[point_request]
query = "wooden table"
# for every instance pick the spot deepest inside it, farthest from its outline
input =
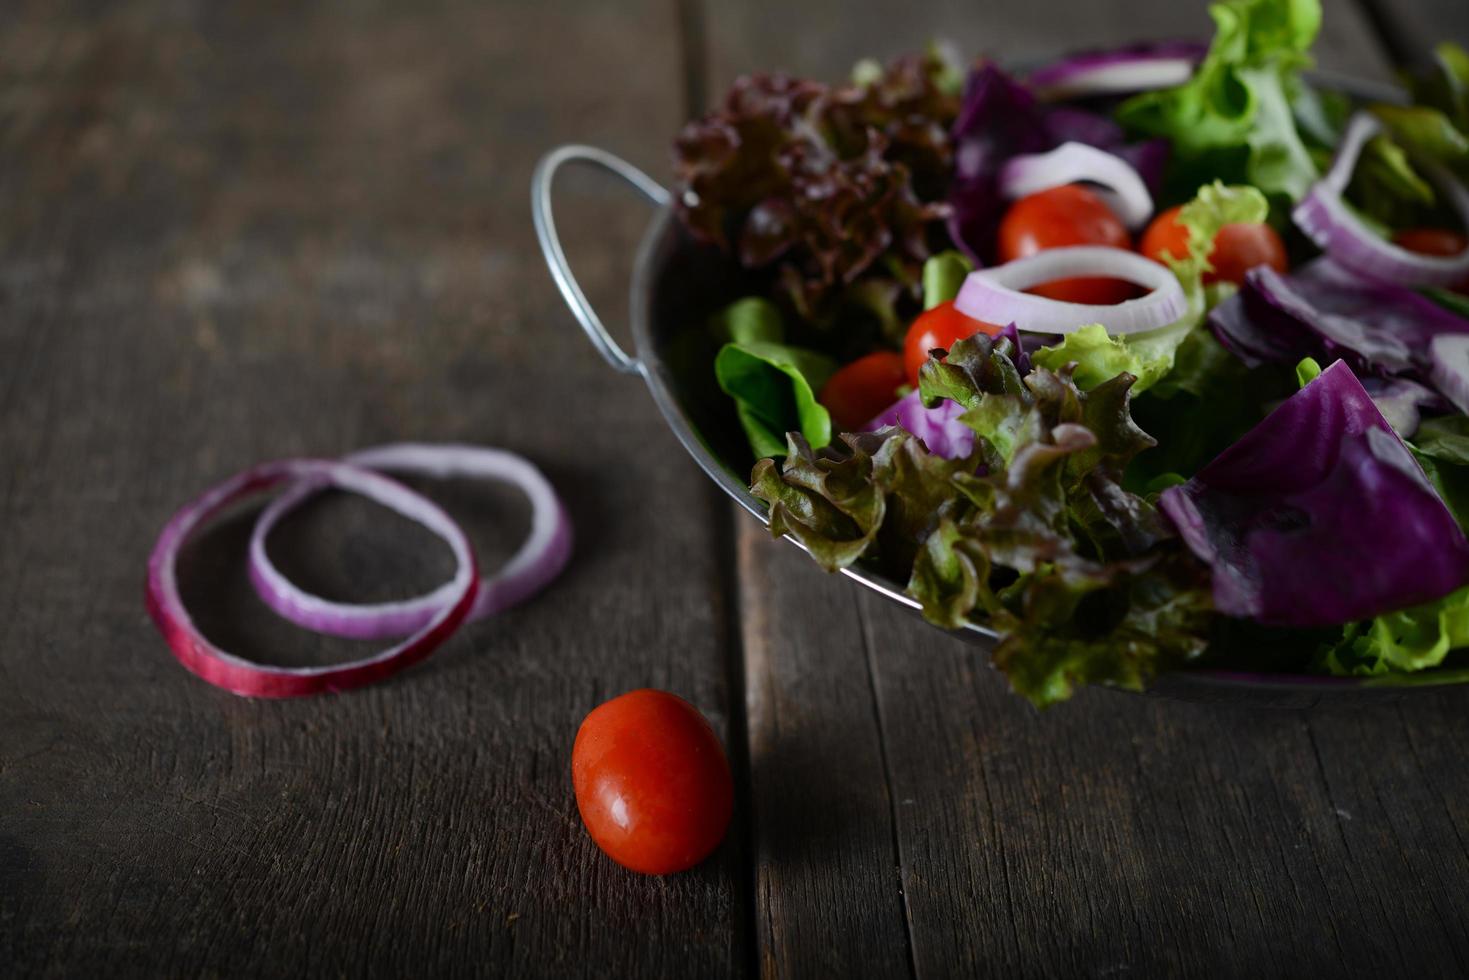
(231, 233)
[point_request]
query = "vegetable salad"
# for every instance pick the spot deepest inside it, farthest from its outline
(1150, 358)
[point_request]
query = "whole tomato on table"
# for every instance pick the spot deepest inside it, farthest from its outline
(652, 782)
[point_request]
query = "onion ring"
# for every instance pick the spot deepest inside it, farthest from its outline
(1135, 68)
(1121, 187)
(1325, 218)
(997, 295)
(243, 677)
(540, 558)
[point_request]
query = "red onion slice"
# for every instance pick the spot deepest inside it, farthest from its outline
(1122, 188)
(1137, 68)
(1327, 221)
(241, 676)
(997, 295)
(539, 559)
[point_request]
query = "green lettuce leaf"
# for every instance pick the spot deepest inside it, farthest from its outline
(1233, 119)
(1445, 84)
(1032, 534)
(943, 274)
(1390, 183)
(774, 385)
(1445, 439)
(1099, 356)
(1150, 356)
(1409, 640)
(1207, 402)
(1441, 446)
(1427, 133)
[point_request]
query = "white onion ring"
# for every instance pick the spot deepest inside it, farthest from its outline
(1070, 163)
(1326, 220)
(540, 558)
(997, 295)
(241, 676)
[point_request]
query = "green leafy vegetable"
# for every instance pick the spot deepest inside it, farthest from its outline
(1307, 371)
(1427, 133)
(1032, 533)
(1441, 447)
(1098, 357)
(1444, 85)
(1409, 640)
(1445, 439)
(1389, 185)
(774, 385)
(1233, 119)
(751, 320)
(1390, 182)
(943, 274)
(1213, 206)
(1150, 356)
(1205, 403)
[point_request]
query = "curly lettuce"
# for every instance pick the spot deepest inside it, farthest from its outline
(1234, 118)
(1031, 533)
(1405, 641)
(836, 191)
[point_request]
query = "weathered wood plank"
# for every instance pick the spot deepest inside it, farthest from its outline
(229, 234)
(824, 40)
(1114, 834)
(1410, 29)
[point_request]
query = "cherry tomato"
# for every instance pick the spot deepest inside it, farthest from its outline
(860, 390)
(1431, 241)
(943, 326)
(1066, 215)
(652, 783)
(1435, 241)
(1237, 249)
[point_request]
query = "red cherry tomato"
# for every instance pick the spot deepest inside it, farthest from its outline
(860, 390)
(1237, 249)
(1066, 215)
(1435, 241)
(943, 326)
(1431, 241)
(651, 782)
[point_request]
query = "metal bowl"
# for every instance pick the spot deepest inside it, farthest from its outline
(678, 281)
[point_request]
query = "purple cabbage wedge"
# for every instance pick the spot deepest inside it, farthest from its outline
(1319, 515)
(1000, 118)
(1325, 311)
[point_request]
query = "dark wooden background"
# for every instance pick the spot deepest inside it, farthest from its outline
(232, 232)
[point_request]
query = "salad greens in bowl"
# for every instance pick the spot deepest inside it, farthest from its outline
(1150, 365)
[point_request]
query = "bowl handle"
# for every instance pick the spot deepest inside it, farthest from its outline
(540, 206)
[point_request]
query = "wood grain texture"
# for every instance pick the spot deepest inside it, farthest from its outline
(1114, 835)
(1411, 28)
(824, 39)
(230, 233)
